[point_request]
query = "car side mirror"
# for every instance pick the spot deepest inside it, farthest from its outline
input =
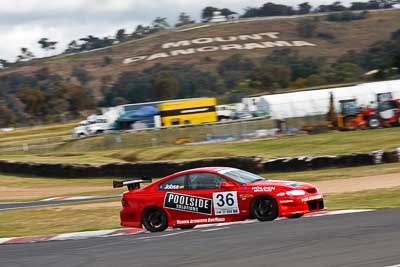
(226, 185)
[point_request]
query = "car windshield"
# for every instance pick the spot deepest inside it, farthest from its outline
(243, 177)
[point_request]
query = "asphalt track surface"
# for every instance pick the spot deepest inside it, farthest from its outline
(359, 239)
(24, 205)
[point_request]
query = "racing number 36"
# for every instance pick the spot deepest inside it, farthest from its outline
(228, 199)
(225, 203)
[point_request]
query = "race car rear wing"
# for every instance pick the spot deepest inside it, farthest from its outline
(131, 184)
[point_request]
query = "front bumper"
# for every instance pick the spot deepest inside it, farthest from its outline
(301, 205)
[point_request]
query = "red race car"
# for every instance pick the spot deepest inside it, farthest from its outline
(213, 195)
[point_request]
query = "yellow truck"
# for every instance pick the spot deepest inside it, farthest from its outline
(188, 111)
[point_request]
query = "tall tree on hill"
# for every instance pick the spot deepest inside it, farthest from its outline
(207, 12)
(304, 8)
(34, 100)
(73, 47)
(47, 45)
(226, 12)
(160, 23)
(165, 85)
(4, 63)
(121, 35)
(271, 77)
(184, 19)
(335, 7)
(271, 9)
(25, 55)
(132, 86)
(81, 74)
(251, 12)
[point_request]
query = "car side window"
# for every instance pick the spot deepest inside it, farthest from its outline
(205, 180)
(176, 183)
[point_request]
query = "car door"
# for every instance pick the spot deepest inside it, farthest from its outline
(224, 201)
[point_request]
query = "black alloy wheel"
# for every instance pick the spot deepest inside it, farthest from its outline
(264, 208)
(154, 219)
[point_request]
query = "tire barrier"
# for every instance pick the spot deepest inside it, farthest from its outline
(315, 163)
(124, 170)
(390, 156)
(161, 169)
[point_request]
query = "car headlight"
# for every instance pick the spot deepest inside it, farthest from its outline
(296, 193)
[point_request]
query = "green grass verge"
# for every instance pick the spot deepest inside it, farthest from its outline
(97, 150)
(56, 220)
(371, 199)
(333, 174)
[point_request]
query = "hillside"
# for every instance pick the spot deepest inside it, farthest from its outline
(226, 60)
(353, 35)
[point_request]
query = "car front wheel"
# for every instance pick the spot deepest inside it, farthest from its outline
(154, 219)
(264, 208)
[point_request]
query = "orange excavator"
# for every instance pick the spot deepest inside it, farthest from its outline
(352, 117)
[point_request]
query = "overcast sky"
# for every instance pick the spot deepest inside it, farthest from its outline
(24, 22)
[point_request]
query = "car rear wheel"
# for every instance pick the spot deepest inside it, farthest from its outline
(264, 208)
(154, 219)
(295, 216)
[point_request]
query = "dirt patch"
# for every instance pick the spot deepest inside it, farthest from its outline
(21, 193)
(359, 184)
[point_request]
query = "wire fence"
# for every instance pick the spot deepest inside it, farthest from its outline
(195, 134)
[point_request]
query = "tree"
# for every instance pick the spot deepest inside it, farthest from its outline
(34, 100)
(7, 116)
(141, 31)
(307, 28)
(42, 74)
(4, 63)
(121, 35)
(184, 19)
(234, 69)
(271, 77)
(335, 7)
(226, 12)
(160, 23)
(165, 85)
(25, 55)
(304, 8)
(207, 13)
(107, 60)
(81, 74)
(271, 9)
(79, 99)
(133, 86)
(251, 12)
(47, 45)
(73, 47)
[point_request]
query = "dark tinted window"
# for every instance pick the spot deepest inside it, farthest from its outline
(204, 180)
(177, 183)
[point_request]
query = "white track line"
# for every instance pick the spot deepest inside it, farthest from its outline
(214, 229)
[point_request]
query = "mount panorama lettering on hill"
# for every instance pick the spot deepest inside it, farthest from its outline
(208, 45)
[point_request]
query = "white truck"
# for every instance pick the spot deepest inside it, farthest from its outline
(96, 124)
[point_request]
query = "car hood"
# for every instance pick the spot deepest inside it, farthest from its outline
(290, 185)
